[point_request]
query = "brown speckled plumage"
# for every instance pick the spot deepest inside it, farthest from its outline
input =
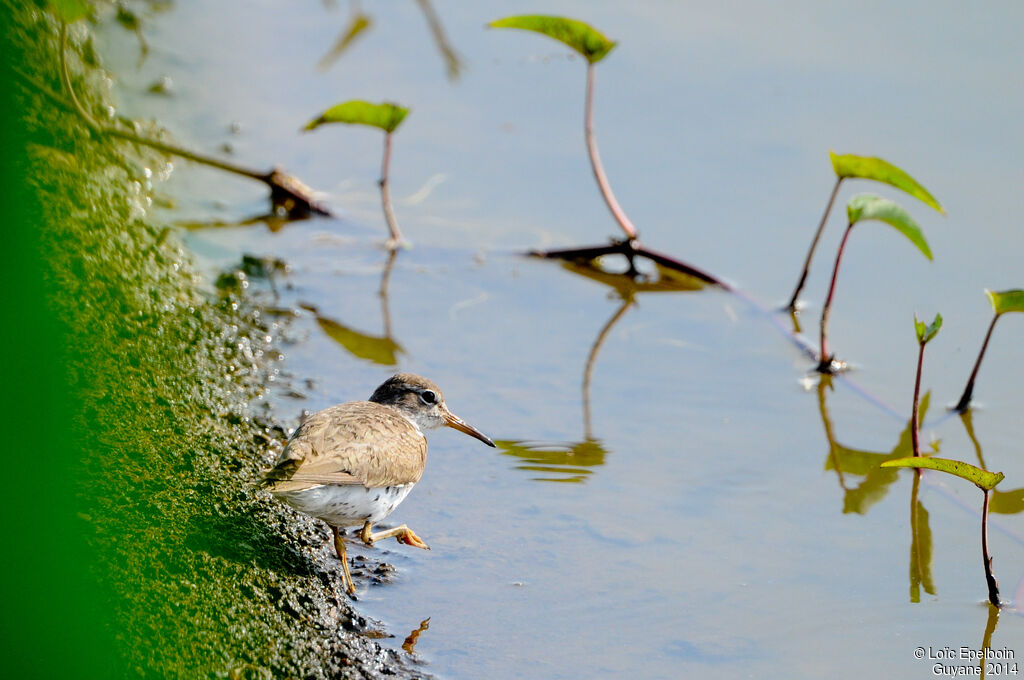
(359, 442)
(353, 463)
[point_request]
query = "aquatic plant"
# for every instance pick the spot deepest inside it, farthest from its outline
(924, 334)
(861, 208)
(386, 116)
(849, 166)
(1002, 302)
(984, 480)
(593, 46)
(288, 195)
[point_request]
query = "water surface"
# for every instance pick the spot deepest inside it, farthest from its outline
(701, 519)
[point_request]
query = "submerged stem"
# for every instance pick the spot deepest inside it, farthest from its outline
(385, 196)
(825, 360)
(595, 161)
(965, 398)
(791, 306)
(990, 579)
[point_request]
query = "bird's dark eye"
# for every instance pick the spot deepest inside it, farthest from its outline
(428, 396)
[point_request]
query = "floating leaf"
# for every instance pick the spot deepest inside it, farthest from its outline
(871, 207)
(983, 479)
(926, 333)
(386, 116)
(1007, 300)
(867, 167)
(70, 11)
(579, 36)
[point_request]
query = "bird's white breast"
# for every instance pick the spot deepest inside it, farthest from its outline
(345, 506)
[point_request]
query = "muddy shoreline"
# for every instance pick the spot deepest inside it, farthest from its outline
(181, 568)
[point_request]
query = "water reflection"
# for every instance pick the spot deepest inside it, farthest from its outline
(378, 349)
(568, 462)
(359, 23)
(990, 629)
(274, 221)
(1004, 502)
(920, 546)
(409, 645)
(573, 461)
(847, 461)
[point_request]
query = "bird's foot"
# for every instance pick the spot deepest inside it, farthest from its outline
(402, 534)
(409, 537)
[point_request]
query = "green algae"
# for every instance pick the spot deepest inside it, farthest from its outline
(131, 417)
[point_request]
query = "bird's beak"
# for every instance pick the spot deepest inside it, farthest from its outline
(457, 423)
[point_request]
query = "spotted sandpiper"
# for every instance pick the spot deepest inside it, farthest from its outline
(352, 464)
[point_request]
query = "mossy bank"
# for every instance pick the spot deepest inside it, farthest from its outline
(138, 545)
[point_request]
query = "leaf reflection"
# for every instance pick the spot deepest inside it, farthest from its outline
(847, 461)
(572, 461)
(379, 349)
(358, 23)
(568, 462)
(920, 547)
(1004, 502)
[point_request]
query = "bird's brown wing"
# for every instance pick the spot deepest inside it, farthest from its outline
(359, 442)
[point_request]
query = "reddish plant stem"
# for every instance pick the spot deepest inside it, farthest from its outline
(385, 196)
(915, 423)
(791, 306)
(990, 579)
(595, 161)
(965, 398)
(826, 358)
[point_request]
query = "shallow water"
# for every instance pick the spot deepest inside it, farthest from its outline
(699, 519)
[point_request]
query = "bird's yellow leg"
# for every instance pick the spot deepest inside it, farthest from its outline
(402, 534)
(339, 547)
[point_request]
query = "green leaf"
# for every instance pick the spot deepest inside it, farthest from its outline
(71, 11)
(871, 207)
(579, 36)
(386, 116)
(983, 479)
(926, 333)
(867, 167)
(1007, 300)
